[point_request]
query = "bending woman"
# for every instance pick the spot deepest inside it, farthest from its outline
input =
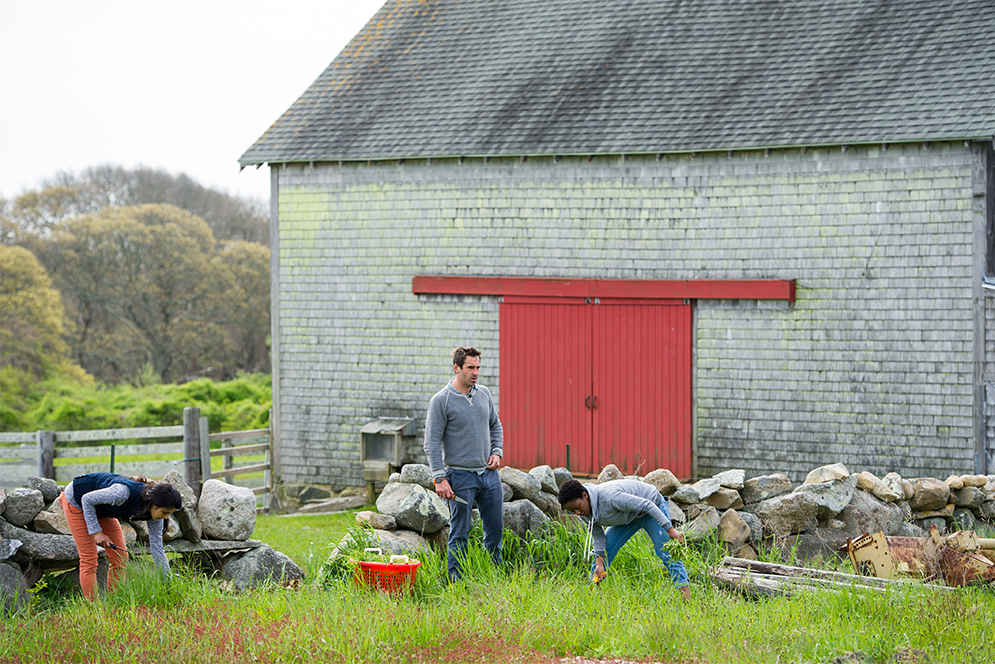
(93, 504)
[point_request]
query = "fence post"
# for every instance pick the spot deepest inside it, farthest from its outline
(191, 448)
(205, 450)
(46, 453)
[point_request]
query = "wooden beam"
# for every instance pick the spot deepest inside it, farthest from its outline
(693, 289)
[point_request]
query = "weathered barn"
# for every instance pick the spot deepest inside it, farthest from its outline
(695, 234)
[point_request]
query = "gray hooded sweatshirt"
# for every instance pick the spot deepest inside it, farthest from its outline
(620, 502)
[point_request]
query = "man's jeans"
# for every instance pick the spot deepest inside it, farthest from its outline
(484, 489)
(617, 536)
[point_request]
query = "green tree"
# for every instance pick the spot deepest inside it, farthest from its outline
(31, 318)
(145, 303)
(146, 270)
(244, 304)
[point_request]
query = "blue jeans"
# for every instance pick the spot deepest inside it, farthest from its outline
(617, 536)
(484, 489)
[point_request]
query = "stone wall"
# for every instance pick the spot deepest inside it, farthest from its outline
(872, 366)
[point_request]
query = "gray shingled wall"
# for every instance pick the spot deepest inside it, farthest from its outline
(871, 366)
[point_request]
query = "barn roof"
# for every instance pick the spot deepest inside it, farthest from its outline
(436, 78)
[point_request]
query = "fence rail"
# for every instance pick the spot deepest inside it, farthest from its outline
(37, 454)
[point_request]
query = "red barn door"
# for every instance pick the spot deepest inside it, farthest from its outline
(546, 366)
(611, 379)
(642, 379)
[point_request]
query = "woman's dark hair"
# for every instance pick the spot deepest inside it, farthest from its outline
(158, 494)
(571, 490)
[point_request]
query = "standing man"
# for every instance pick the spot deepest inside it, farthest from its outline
(464, 443)
(625, 506)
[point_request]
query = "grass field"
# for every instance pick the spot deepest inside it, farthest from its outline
(539, 607)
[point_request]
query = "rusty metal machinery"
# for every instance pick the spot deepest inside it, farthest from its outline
(959, 559)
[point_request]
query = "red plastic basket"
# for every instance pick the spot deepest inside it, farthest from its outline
(394, 577)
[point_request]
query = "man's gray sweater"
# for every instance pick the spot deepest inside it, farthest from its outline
(462, 431)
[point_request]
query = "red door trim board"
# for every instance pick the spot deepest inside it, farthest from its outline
(692, 289)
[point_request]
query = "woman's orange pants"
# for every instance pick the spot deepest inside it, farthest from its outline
(87, 548)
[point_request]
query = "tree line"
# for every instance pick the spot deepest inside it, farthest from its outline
(133, 275)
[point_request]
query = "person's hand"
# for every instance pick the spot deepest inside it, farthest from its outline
(599, 570)
(494, 462)
(101, 539)
(676, 535)
(444, 490)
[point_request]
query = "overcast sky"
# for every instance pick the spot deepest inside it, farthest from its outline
(180, 85)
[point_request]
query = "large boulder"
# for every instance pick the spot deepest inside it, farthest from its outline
(970, 497)
(791, 513)
(867, 514)
(817, 544)
(13, 589)
(730, 479)
(259, 566)
(547, 480)
(376, 520)
(764, 487)
(831, 497)
(226, 511)
(871, 483)
(562, 475)
(414, 507)
(549, 504)
(3, 499)
(418, 473)
(686, 494)
(756, 527)
(187, 518)
(45, 552)
(724, 499)
(929, 493)
(49, 489)
(976, 481)
(508, 494)
(523, 485)
(23, 505)
(835, 471)
(52, 522)
(703, 526)
(609, 473)
(523, 518)
(733, 530)
(663, 481)
(896, 484)
(8, 547)
(403, 542)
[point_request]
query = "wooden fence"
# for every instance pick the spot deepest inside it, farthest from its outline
(38, 454)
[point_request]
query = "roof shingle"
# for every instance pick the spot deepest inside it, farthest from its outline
(435, 78)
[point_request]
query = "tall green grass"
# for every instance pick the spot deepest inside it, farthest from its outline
(537, 607)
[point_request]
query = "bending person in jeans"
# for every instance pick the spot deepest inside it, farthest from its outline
(625, 506)
(464, 443)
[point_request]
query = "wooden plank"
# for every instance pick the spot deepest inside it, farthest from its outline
(241, 449)
(16, 474)
(17, 437)
(120, 451)
(787, 570)
(151, 469)
(117, 434)
(239, 434)
(241, 470)
(725, 289)
(22, 452)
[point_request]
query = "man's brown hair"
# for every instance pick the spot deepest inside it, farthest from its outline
(463, 352)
